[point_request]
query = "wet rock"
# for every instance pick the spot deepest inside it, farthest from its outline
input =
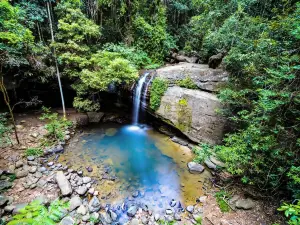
(3, 200)
(94, 204)
(30, 158)
(81, 190)
(190, 209)
(75, 202)
(67, 221)
(245, 204)
(105, 218)
(179, 141)
(86, 180)
(195, 167)
(21, 173)
(132, 211)
(63, 183)
(58, 149)
(81, 210)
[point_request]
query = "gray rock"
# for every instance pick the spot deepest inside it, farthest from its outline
(18, 207)
(195, 167)
(32, 169)
(67, 137)
(50, 163)
(4, 184)
(9, 208)
(179, 141)
(67, 221)
(63, 183)
(190, 209)
(35, 135)
(75, 202)
(81, 190)
(30, 158)
(19, 164)
(216, 161)
(58, 149)
(94, 204)
(113, 215)
(81, 210)
(132, 211)
(210, 165)
(3, 200)
(156, 217)
(245, 204)
(95, 117)
(21, 173)
(105, 218)
(86, 180)
(42, 169)
(177, 217)
(134, 222)
(85, 218)
(169, 211)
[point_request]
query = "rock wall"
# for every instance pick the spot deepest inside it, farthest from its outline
(193, 112)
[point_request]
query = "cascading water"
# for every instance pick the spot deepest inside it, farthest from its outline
(144, 101)
(137, 98)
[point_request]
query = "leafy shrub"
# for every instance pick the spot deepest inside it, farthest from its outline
(292, 212)
(33, 152)
(158, 88)
(186, 83)
(55, 126)
(202, 152)
(5, 130)
(35, 213)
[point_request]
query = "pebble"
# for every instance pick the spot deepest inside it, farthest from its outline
(81, 210)
(190, 209)
(50, 163)
(30, 158)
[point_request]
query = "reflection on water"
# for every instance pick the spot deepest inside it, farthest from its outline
(135, 162)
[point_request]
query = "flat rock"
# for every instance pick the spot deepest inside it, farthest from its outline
(63, 183)
(245, 204)
(179, 141)
(75, 202)
(210, 164)
(86, 180)
(21, 173)
(195, 167)
(67, 221)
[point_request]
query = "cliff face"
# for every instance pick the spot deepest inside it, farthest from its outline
(192, 111)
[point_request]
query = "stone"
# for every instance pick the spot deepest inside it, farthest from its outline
(113, 215)
(18, 207)
(4, 184)
(81, 210)
(9, 208)
(245, 204)
(216, 161)
(3, 200)
(67, 137)
(19, 164)
(67, 221)
(132, 211)
(95, 215)
(202, 199)
(96, 193)
(32, 169)
(195, 167)
(35, 135)
(81, 190)
(91, 191)
(144, 220)
(21, 173)
(95, 117)
(94, 204)
(156, 217)
(173, 203)
(177, 217)
(85, 218)
(42, 169)
(210, 165)
(215, 60)
(75, 202)
(190, 209)
(63, 183)
(30, 158)
(179, 141)
(134, 222)
(105, 218)
(169, 211)
(86, 180)
(58, 149)
(50, 163)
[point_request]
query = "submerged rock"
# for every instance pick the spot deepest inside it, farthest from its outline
(195, 167)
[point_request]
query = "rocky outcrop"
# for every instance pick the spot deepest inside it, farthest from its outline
(193, 111)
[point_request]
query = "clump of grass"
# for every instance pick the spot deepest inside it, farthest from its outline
(34, 152)
(222, 197)
(187, 83)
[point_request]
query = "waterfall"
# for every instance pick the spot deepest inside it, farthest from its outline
(144, 101)
(137, 98)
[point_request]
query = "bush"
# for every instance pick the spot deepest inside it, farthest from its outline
(222, 198)
(55, 126)
(292, 212)
(158, 88)
(187, 83)
(34, 152)
(203, 152)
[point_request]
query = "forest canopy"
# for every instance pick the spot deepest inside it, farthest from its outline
(100, 42)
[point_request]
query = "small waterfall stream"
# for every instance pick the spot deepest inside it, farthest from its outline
(137, 98)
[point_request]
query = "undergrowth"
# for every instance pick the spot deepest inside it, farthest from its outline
(222, 198)
(158, 88)
(187, 83)
(34, 152)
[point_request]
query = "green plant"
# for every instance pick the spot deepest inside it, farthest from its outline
(222, 198)
(163, 222)
(202, 152)
(33, 152)
(158, 88)
(12, 177)
(187, 83)
(36, 213)
(292, 212)
(55, 126)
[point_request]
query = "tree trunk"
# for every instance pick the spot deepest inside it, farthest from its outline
(56, 64)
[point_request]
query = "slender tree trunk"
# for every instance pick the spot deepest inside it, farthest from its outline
(6, 100)
(55, 59)
(39, 31)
